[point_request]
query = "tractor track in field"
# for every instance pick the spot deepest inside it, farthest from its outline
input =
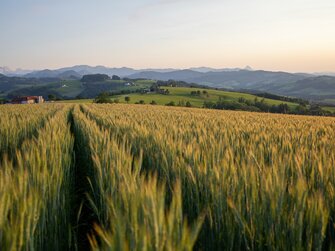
(83, 217)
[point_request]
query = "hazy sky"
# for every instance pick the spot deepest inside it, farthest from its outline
(291, 35)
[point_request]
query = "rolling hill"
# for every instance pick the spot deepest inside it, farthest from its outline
(183, 94)
(314, 88)
(14, 86)
(8, 84)
(241, 79)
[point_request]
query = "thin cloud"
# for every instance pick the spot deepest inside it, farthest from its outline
(144, 9)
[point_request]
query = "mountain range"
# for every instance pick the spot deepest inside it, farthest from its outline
(9, 72)
(81, 70)
(309, 86)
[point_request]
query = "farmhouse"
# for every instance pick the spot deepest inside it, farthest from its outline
(28, 100)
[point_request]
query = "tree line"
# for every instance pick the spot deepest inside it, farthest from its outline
(257, 105)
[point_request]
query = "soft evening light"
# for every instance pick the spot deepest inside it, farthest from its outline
(290, 35)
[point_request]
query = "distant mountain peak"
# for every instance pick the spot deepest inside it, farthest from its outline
(4, 69)
(248, 68)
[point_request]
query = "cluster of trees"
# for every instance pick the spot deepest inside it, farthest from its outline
(121, 92)
(199, 93)
(105, 98)
(52, 97)
(282, 98)
(257, 105)
(180, 103)
(115, 77)
(156, 88)
(313, 109)
(142, 102)
(98, 78)
(176, 83)
(229, 105)
(95, 78)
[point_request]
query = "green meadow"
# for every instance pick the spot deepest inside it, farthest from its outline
(179, 94)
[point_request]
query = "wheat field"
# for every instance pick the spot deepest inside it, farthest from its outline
(137, 177)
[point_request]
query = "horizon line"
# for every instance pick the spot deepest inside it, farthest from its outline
(13, 69)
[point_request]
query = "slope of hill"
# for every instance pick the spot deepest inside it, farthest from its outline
(72, 88)
(307, 86)
(184, 94)
(70, 74)
(182, 75)
(42, 74)
(209, 69)
(229, 79)
(86, 69)
(315, 88)
(9, 84)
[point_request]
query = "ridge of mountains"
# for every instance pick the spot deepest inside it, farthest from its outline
(86, 70)
(313, 87)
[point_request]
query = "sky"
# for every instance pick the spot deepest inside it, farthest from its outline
(282, 35)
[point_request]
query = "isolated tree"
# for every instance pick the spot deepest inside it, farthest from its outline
(153, 102)
(154, 87)
(52, 97)
(283, 108)
(127, 99)
(188, 104)
(103, 98)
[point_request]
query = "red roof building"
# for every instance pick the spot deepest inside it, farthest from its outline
(28, 100)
